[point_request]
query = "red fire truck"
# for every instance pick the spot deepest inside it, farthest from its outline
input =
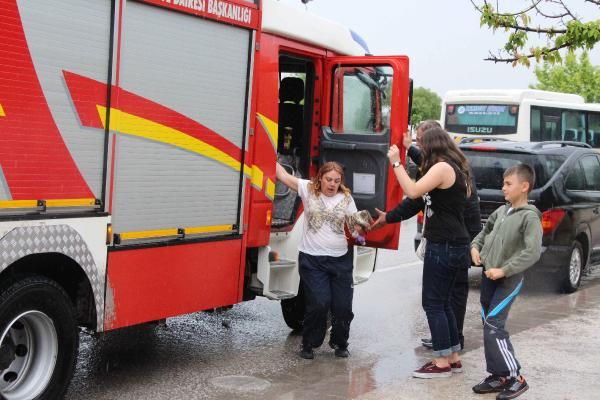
(138, 141)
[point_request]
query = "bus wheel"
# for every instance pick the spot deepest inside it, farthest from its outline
(38, 340)
(293, 310)
(572, 275)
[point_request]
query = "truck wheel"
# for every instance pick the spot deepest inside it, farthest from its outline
(293, 310)
(573, 271)
(38, 340)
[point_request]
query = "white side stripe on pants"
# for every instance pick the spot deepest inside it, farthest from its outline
(508, 357)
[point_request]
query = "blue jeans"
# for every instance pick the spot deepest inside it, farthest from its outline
(442, 262)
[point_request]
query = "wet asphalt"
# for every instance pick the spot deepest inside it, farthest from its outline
(247, 352)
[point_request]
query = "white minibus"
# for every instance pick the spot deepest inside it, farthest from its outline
(521, 115)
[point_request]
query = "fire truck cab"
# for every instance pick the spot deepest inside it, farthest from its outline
(138, 144)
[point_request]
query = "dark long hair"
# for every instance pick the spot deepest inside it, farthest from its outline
(439, 146)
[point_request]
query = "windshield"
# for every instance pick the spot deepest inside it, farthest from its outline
(488, 167)
(481, 119)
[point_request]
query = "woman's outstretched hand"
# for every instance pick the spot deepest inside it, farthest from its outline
(380, 221)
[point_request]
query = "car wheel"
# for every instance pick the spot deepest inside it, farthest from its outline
(293, 310)
(573, 271)
(38, 340)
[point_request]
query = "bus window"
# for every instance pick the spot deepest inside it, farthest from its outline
(593, 130)
(536, 125)
(572, 128)
(550, 124)
(481, 119)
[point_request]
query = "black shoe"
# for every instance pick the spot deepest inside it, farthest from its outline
(342, 353)
(513, 388)
(492, 383)
(427, 343)
(307, 353)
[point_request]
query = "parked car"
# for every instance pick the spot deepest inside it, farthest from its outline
(566, 191)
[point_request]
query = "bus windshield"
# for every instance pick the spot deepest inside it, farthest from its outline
(481, 119)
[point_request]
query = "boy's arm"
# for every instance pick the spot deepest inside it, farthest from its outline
(489, 225)
(532, 237)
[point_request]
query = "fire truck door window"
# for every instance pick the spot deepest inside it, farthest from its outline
(361, 100)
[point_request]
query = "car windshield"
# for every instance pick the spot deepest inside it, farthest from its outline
(488, 167)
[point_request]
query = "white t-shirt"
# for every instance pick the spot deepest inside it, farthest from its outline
(324, 222)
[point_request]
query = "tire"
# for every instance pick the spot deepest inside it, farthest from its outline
(39, 340)
(293, 310)
(573, 270)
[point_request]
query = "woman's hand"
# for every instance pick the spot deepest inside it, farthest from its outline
(407, 139)
(380, 221)
(393, 154)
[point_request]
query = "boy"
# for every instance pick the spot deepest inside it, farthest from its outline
(510, 242)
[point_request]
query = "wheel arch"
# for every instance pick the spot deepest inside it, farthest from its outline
(67, 273)
(582, 238)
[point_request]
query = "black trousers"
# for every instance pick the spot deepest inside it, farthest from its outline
(328, 286)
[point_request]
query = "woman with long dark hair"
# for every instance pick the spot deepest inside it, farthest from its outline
(445, 187)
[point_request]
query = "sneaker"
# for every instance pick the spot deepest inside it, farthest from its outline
(456, 367)
(307, 353)
(492, 383)
(514, 388)
(342, 353)
(426, 342)
(430, 370)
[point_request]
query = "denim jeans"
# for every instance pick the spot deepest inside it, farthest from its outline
(442, 262)
(328, 285)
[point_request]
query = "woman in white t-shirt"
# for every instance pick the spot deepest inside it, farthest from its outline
(324, 260)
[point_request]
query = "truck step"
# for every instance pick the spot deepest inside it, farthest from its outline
(283, 263)
(281, 295)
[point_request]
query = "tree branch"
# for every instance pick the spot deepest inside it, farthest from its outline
(550, 31)
(534, 5)
(496, 59)
(597, 2)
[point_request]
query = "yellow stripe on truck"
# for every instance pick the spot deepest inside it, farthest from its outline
(161, 233)
(208, 229)
(270, 127)
(129, 124)
(158, 233)
(2, 113)
(18, 204)
(48, 203)
(71, 203)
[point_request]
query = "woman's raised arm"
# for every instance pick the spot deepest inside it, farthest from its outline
(284, 177)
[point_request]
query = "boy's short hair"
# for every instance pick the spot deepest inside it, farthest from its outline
(524, 172)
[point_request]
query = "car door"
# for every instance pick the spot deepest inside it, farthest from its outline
(591, 170)
(366, 108)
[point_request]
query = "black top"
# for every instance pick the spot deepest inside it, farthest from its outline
(445, 218)
(410, 207)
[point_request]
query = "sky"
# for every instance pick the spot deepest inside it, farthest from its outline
(442, 38)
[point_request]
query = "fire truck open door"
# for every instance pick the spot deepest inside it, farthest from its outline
(365, 111)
